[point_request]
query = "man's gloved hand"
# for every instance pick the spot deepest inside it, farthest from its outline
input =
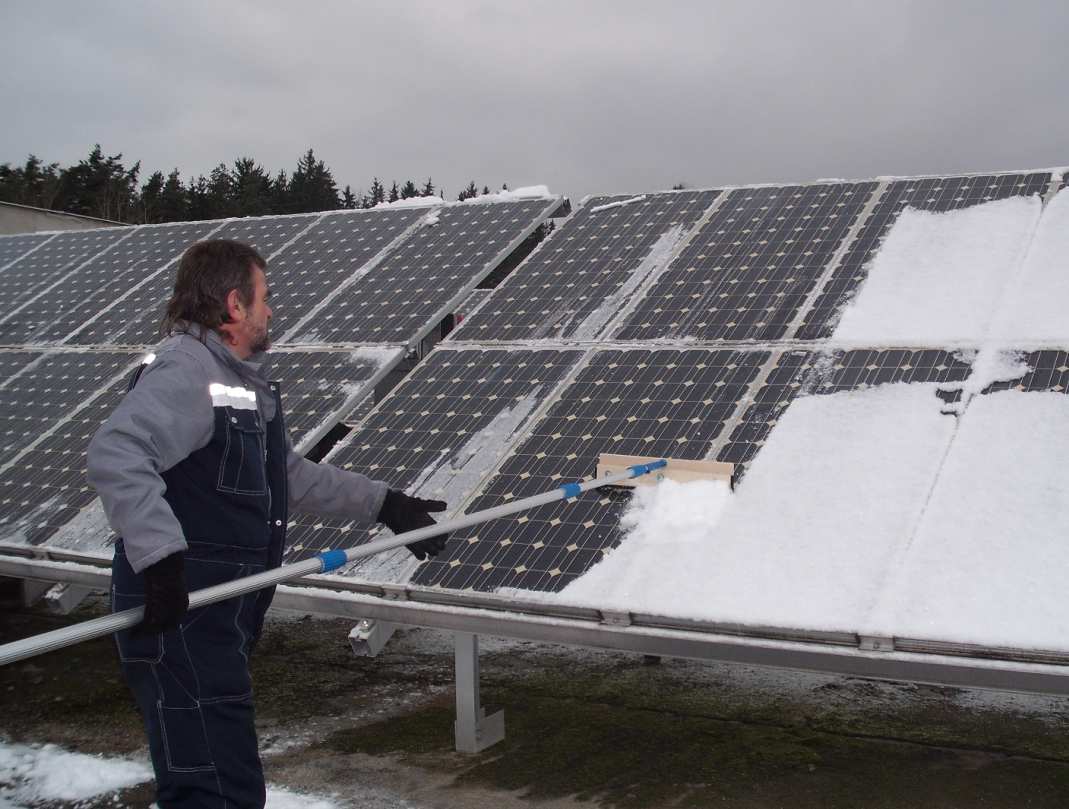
(402, 513)
(166, 596)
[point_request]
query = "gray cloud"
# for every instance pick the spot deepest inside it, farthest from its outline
(582, 96)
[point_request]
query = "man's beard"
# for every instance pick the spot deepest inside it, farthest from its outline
(261, 343)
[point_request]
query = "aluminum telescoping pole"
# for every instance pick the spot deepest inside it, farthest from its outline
(322, 563)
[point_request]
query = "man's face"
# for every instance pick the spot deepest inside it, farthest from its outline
(258, 315)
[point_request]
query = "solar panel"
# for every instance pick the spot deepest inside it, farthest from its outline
(11, 362)
(928, 194)
(12, 247)
(799, 372)
(749, 269)
(44, 486)
(72, 300)
(136, 319)
(567, 281)
(638, 402)
(335, 248)
(453, 249)
(26, 276)
(439, 431)
(1049, 373)
(319, 387)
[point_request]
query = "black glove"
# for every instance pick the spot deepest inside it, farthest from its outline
(402, 513)
(166, 596)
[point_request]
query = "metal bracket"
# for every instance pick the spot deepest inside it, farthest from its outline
(64, 598)
(475, 731)
(395, 592)
(33, 591)
(370, 636)
(875, 643)
(613, 618)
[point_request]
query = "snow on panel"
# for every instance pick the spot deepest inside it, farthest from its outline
(1034, 309)
(806, 538)
(989, 563)
(939, 277)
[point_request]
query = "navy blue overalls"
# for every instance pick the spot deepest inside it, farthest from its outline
(192, 683)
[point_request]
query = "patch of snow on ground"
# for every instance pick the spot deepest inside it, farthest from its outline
(278, 798)
(31, 773)
(654, 262)
(1035, 307)
(805, 540)
(938, 277)
(989, 561)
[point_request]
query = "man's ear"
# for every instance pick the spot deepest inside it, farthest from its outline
(234, 307)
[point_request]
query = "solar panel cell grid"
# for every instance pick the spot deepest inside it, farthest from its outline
(423, 274)
(60, 254)
(931, 194)
(749, 269)
(325, 256)
(590, 256)
(654, 403)
(315, 384)
(100, 281)
(455, 406)
(1050, 372)
(46, 487)
(12, 247)
(136, 319)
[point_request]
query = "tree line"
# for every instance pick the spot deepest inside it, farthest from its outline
(103, 186)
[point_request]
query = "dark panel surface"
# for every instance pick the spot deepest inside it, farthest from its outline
(16, 245)
(454, 249)
(11, 362)
(326, 255)
(100, 281)
(63, 253)
(315, 384)
(136, 320)
(653, 403)
(1050, 372)
(588, 258)
(749, 269)
(422, 436)
(46, 487)
(801, 373)
(932, 194)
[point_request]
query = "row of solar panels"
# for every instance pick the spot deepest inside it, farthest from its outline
(479, 425)
(378, 276)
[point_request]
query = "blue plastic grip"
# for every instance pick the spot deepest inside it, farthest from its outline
(332, 560)
(645, 468)
(571, 490)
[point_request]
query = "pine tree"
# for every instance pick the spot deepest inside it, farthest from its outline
(280, 193)
(409, 190)
(151, 199)
(251, 188)
(378, 193)
(174, 200)
(428, 189)
(468, 193)
(394, 193)
(504, 186)
(34, 184)
(486, 190)
(312, 187)
(348, 199)
(99, 186)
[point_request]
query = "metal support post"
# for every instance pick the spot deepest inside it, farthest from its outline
(475, 731)
(369, 636)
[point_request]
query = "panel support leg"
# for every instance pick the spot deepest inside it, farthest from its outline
(475, 731)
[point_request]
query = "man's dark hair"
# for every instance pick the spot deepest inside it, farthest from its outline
(207, 272)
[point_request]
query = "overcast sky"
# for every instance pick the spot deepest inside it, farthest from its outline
(581, 96)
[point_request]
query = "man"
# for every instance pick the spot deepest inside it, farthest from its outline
(197, 474)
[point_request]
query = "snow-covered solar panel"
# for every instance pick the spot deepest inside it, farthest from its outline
(927, 194)
(43, 486)
(1048, 372)
(17, 245)
(454, 247)
(28, 275)
(576, 281)
(638, 402)
(798, 373)
(77, 297)
(439, 432)
(136, 319)
(751, 266)
(319, 388)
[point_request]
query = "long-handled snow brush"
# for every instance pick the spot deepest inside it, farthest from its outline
(332, 560)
